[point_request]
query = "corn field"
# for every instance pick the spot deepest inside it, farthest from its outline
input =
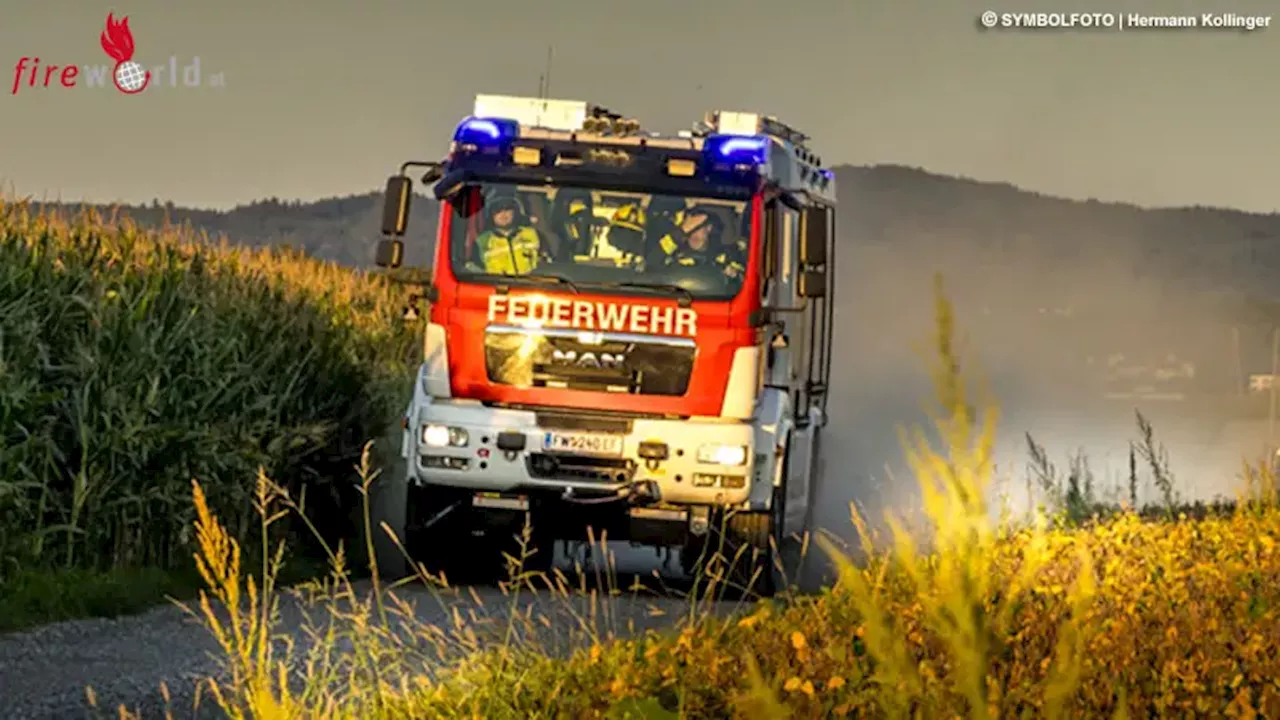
(132, 362)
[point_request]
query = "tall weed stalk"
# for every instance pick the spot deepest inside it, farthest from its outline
(953, 569)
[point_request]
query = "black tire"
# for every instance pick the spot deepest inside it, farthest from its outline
(795, 554)
(438, 533)
(744, 544)
(754, 569)
(387, 505)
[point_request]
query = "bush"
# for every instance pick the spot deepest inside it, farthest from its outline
(132, 362)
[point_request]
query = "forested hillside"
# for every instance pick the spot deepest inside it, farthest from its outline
(882, 205)
(1013, 257)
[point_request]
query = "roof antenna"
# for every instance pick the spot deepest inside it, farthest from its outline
(545, 84)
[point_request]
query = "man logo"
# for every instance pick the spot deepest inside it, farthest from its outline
(603, 361)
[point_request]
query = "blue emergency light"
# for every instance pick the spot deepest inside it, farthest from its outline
(486, 132)
(736, 149)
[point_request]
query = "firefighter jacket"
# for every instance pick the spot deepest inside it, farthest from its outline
(510, 252)
(730, 261)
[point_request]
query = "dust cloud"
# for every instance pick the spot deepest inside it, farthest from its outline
(1068, 344)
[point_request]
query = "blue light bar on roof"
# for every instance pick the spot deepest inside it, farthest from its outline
(736, 149)
(483, 132)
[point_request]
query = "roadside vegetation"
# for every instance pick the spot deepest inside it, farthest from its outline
(1083, 610)
(188, 419)
(131, 362)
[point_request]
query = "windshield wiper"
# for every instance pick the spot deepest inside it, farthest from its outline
(544, 279)
(686, 297)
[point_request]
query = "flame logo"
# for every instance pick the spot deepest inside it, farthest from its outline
(117, 42)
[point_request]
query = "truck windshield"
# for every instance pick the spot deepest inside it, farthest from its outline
(592, 238)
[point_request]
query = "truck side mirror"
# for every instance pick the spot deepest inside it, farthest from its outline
(769, 268)
(814, 234)
(450, 184)
(390, 253)
(434, 172)
(395, 205)
(812, 284)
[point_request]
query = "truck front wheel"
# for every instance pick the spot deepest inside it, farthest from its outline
(740, 550)
(758, 535)
(438, 533)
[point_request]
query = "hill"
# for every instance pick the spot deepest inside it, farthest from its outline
(1212, 248)
(906, 208)
(1011, 255)
(341, 229)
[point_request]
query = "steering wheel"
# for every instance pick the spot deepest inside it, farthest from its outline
(704, 280)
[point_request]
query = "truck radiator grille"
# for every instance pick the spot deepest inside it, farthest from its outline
(608, 362)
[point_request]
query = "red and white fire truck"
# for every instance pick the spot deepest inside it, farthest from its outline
(627, 332)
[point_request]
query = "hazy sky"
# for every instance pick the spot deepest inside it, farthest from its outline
(325, 98)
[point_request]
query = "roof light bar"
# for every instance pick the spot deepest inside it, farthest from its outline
(486, 131)
(736, 149)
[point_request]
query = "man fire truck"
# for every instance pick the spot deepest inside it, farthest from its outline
(650, 360)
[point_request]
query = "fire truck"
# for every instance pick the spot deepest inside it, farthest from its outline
(628, 334)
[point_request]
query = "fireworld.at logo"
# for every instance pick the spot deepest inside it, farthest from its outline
(127, 74)
(117, 42)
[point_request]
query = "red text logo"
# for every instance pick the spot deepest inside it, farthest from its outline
(128, 76)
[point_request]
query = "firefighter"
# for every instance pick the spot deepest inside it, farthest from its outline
(627, 229)
(510, 246)
(571, 221)
(733, 250)
(697, 239)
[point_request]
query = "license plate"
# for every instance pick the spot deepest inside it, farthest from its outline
(494, 500)
(584, 443)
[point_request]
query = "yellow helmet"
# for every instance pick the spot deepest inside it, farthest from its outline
(629, 217)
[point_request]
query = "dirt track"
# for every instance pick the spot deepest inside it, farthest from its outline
(43, 673)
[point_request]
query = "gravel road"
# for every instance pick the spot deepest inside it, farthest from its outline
(44, 672)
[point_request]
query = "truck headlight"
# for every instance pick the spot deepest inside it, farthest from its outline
(723, 454)
(438, 436)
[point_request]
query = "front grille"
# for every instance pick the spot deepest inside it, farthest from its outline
(576, 467)
(572, 360)
(588, 422)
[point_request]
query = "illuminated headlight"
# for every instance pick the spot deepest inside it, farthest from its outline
(438, 436)
(723, 454)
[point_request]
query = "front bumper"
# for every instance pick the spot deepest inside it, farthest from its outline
(483, 464)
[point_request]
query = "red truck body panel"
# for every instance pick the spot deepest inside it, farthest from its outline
(465, 309)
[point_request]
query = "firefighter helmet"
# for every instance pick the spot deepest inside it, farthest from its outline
(626, 228)
(505, 202)
(629, 217)
(714, 221)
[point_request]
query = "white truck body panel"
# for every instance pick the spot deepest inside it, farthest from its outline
(493, 471)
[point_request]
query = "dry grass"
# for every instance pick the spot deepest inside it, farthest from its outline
(1114, 618)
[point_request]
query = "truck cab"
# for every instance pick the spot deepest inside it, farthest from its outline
(627, 333)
